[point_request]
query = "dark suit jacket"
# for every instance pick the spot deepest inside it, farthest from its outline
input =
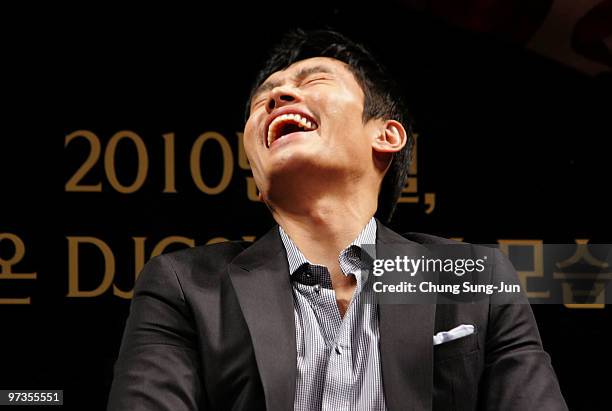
(212, 328)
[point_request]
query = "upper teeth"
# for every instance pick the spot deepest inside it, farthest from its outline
(296, 118)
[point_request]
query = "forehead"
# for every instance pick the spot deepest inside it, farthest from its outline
(305, 67)
(324, 63)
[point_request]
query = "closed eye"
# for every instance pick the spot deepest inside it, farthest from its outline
(315, 80)
(258, 102)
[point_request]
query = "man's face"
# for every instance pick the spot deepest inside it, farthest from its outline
(306, 126)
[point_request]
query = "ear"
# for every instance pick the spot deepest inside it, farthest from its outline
(391, 137)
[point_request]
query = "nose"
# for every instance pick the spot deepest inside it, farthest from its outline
(281, 96)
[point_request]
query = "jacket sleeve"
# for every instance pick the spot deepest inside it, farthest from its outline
(518, 374)
(157, 367)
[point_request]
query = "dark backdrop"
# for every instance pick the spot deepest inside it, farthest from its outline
(511, 145)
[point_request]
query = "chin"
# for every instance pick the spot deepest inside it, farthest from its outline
(293, 158)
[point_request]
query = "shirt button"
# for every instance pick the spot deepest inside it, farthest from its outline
(308, 274)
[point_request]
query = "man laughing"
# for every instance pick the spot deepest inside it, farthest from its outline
(284, 323)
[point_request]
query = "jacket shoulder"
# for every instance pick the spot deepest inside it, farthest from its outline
(190, 264)
(434, 240)
(209, 257)
(423, 238)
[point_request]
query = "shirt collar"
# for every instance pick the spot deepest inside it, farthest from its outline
(296, 259)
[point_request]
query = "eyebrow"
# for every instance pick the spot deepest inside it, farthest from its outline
(300, 75)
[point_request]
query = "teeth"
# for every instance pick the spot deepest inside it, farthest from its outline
(275, 124)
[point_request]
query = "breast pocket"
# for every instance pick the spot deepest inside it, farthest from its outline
(457, 367)
(456, 348)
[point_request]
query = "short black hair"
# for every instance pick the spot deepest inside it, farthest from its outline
(382, 97)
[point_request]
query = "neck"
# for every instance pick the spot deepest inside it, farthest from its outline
(322, 226)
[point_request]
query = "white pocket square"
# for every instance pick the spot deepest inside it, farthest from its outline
(450, 335)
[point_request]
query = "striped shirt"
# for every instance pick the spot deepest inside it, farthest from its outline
(338, 360)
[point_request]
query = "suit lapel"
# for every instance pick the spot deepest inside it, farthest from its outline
(406, 330)
(260, 276)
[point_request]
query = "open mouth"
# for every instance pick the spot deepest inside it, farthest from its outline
(286, 124)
